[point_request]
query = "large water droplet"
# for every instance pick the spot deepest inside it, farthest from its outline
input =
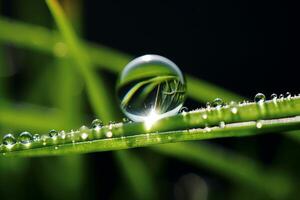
(151, 84)
(9, 140)
(25, 138)
(259, 98)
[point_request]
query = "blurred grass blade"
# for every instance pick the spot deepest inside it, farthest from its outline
(30, 118)
(39, 38)
(100, 97)
(203, 91)
(3, 72)
(97, 93)
(141, 180)
(235, 167)
(68, 99)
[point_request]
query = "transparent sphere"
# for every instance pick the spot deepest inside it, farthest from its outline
(151, 85)
(9, 140)
(25, 138)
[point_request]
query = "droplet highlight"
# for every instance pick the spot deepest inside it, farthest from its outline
(259, 124)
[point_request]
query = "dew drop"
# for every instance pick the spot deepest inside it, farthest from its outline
(125, 120)
(274, 96)
(62, 134)
(84, 136)
(25, 138)
(96, 123)
(259, 98)
(36, 137)
(9, 140)
(217, 102)
(148, 84)
(204, 116)
(233, 107)
(183, 109)
(288, 95)
(207, 104)
(207, 129)
(259, 124)
(83, 128)
(222, 124)
(109, 134)
(281, 96)
(53, 133)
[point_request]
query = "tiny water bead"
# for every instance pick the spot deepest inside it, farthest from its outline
(259, 124)
(53, 133)
(36, 137)
(25, 138)
(288, 95)
(222, 124)
(259, 98)
(96, 122)
(274, 96)
(218, 102)
(9, 140)
(151, 85)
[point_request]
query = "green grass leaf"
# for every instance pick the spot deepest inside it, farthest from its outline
(248, 119)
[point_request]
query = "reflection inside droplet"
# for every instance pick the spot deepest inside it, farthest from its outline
(148, 83)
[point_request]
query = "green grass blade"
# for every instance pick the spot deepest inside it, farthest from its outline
(68, 100)
(30, 118)
(98, 94)
(75, 143)
(210, 160)
(250, 119)
(141, 180)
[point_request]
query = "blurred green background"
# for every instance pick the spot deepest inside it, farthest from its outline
(42, 89)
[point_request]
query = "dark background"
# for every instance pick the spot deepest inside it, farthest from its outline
(244, 46)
